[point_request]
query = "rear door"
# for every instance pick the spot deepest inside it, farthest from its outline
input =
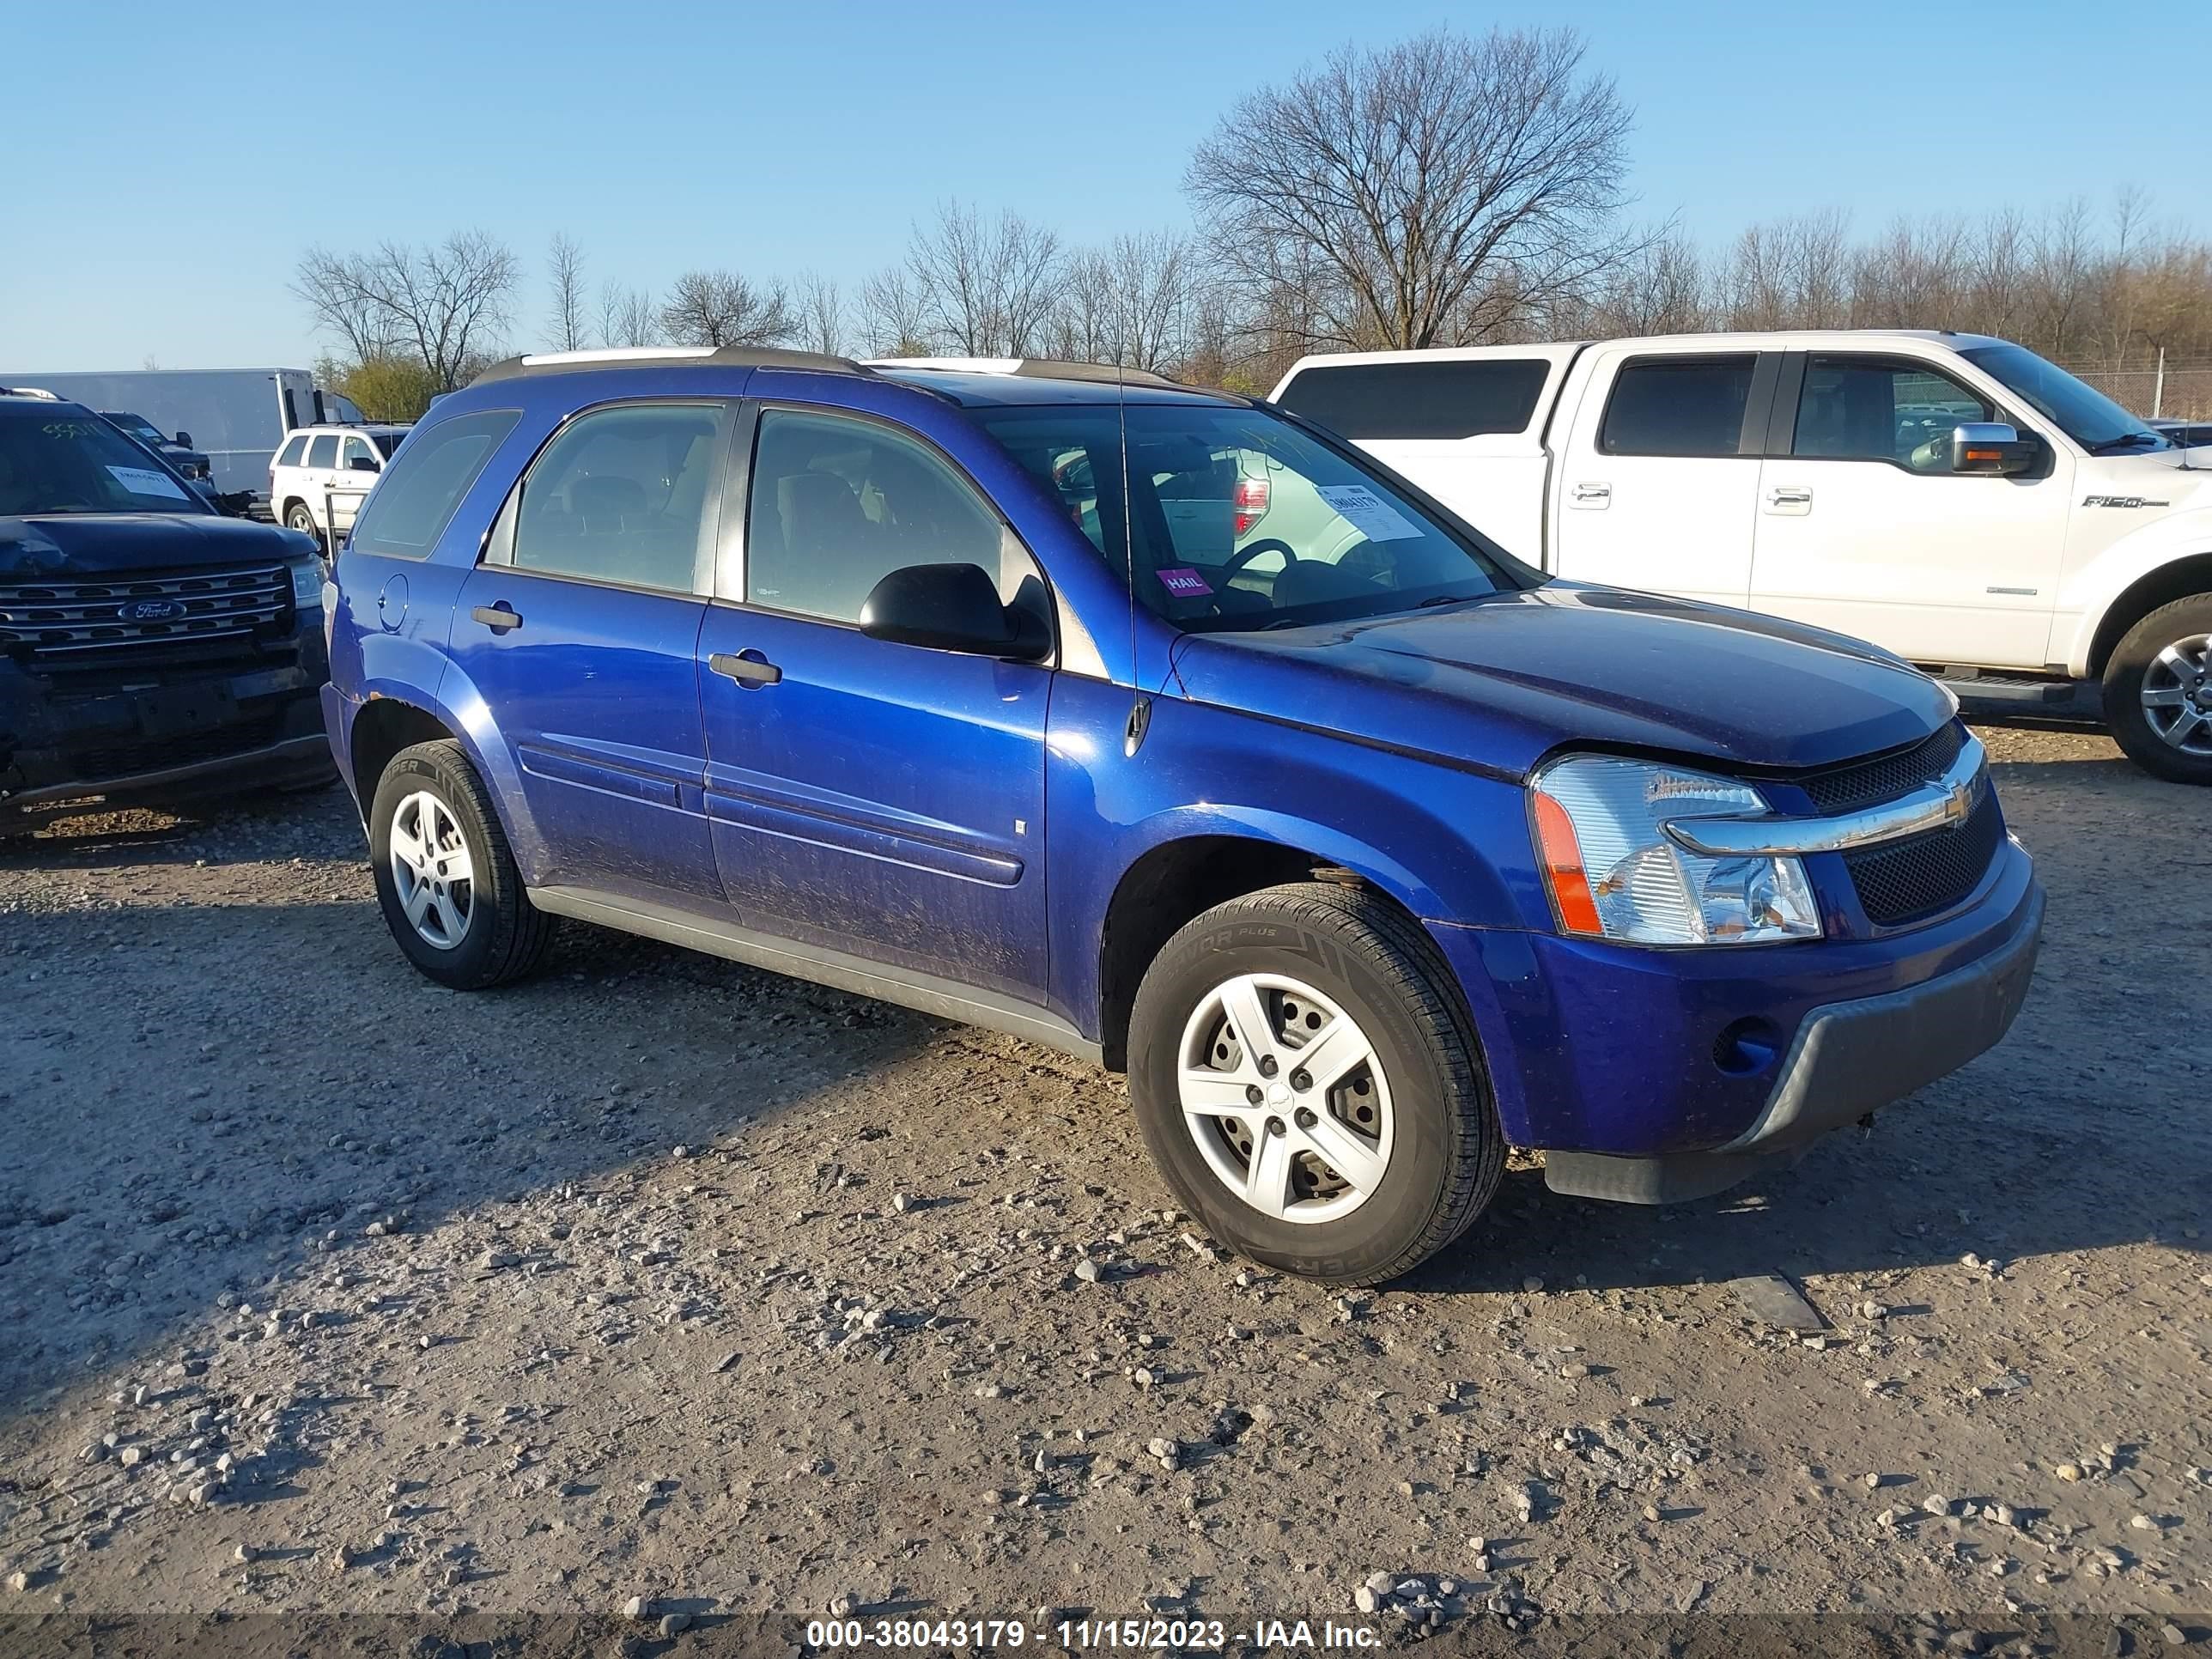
(580, 629)
(319, 475)
(874, 799)
(1657, 486)
(1864, 528)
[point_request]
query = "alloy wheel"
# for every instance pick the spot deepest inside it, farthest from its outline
(431, 871)
(2177, 694)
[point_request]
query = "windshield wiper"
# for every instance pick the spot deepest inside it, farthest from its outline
(1436, 599)
(2126, 440)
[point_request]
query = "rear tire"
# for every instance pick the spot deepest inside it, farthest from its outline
(300, 517)
(453, 896)
(2157, 691)
(1353, 1182)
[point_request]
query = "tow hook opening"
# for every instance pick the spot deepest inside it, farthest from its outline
(1746, 1047)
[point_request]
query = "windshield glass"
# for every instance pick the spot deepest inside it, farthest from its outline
(52, 462)
(2081, 412)
(386, 441)
(138, 427)
(1239, 520)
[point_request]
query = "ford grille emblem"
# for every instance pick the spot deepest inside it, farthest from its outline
(153, 611)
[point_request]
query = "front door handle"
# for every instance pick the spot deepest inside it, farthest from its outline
(748, 668)
(1789, 495)
(497, 617)
(1593, 494)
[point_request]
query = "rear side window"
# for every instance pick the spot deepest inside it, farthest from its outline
(620, 495)
(417, 497)
(1444, 399)
(1677, 406)
(324, 451)
(294, 452)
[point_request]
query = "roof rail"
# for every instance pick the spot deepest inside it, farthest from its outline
(1040, 368)
(562, 362)
(29, 391)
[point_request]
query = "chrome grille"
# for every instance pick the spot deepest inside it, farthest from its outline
(59, 623)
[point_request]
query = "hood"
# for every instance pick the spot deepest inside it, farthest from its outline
(2156, 478)
(108, 543)
(1499, 681)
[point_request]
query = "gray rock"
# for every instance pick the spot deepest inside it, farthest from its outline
(1087, 1270)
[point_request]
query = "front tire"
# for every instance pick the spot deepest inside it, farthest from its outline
(445, 881)
(1307, 1079)
(2157, 691)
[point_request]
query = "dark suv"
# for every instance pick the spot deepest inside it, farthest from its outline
(152, 651)
(1364, 849)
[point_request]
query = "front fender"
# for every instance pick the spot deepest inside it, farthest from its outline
(1447, 844)
(2088, 594)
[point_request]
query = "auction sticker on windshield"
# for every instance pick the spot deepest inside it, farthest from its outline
(1370, 515)
(144, 481)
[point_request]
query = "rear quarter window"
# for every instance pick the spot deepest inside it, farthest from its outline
(422, 490)
(1452, 398)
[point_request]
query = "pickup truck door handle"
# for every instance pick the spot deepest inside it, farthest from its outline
(1593, 494)
(1789, 495)
(497, 617)
(748, 668)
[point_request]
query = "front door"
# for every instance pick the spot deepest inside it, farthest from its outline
(876, 800)
(580, 631)
(1864, 528)
(1658, 487)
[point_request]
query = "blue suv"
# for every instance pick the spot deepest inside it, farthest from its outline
(999, 690)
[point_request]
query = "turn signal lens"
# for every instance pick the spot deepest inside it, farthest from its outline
(1563, 869)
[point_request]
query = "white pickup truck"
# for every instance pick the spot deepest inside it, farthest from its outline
(1957, 498)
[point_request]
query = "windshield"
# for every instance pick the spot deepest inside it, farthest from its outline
(138, 427)
(386, 441)
(2081, 412)
(62, 463)
(1241, 520)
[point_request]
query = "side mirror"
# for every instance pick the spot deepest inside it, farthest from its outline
(1990, 448)
(184, 440)
(949, 607)
(361, 464)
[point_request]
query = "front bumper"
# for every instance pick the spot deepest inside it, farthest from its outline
(1650, 1076)
(189, 735)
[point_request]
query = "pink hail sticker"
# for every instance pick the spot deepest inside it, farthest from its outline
(1185, 583)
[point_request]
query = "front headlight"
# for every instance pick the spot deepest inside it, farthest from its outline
(308, 584)
(1613, 872)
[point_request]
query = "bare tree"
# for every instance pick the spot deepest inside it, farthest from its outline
(722, 308)
(1444, 182)
(564, 270)
(987, 288)
(821, 314)
(627, 317)
(441, 304)
(893, 315)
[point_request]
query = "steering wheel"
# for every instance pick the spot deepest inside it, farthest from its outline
(1244, 556)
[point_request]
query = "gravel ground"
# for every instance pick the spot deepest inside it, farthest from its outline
(328, 1291)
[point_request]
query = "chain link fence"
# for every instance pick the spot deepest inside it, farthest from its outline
(2186, 394)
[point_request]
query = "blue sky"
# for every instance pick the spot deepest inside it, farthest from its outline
(168, 165)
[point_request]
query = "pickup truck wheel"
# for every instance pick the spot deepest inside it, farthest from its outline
(1306, 1077)
(445, 879)
(2157, 691)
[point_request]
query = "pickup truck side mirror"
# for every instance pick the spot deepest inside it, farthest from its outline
(1990, 448)
(949, 607)
(183, 441)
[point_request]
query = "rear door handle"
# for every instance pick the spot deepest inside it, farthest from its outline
(1789, 495)
(747, 668)
(1593, 494)
(497, 617)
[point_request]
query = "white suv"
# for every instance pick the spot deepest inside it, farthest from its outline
(317, 481)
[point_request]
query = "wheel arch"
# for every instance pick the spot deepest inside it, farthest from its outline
(1186, 875)
(391, 719)
(2160, 585)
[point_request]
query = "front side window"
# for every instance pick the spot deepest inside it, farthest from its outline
(1232, 519)
(1679, 407)
(294, 452)
(620, 495)
(838, 504)
(355, 456)
(1864, 409)
(51, 461)
(324, 451)
(412, 504)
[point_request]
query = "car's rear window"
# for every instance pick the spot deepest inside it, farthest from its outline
(419, 493)
(1451, 397)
